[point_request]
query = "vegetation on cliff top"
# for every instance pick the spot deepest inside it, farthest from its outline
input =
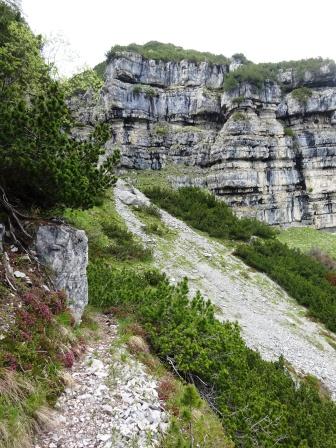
(257, 74)
(167, 52)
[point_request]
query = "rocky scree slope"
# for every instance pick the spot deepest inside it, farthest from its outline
(272, 322)
(266, 150)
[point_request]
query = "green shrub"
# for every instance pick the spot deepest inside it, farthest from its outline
(257, 74)
(238, 100)
(239, 116)
(108, 235)
(137, 89)
(150, 210)
(205, 212)
(100, 70)
(303, 277)
(289, 132)
(161, 129)
(302, 94)
(42, 164)
(82, 82)
(167, 52)
(142, 88)
(149, 91)
(249, 392)
(122, 245)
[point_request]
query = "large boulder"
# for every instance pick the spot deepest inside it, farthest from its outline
(130, 196)
(64, 251)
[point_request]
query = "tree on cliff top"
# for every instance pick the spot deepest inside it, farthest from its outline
(41, 163)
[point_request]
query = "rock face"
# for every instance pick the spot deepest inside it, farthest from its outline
(64, 250)
(2, 234)
(263, 150)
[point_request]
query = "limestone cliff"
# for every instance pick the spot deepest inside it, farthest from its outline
(265, 150)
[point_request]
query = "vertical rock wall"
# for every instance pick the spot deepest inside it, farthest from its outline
(260, 149)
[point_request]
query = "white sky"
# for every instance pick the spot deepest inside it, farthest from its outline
(264, 30)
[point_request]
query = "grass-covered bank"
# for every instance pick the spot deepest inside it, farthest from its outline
(308, 238)
(258, 402)
(38, 341)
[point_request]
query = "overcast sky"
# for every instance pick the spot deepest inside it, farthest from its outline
(264, 30)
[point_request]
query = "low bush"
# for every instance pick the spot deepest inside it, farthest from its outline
(82, 82)
(238, 99)
(161, 129)
(32, 353)
(122, 245)
(302, 94)
(324, 258)
(257, 74)
(259, 403)
(142, 88)
(108, 234)
(300, 275)
(289, 132)
(167, 52)
(150, 210)
(239, 116)
(205, 212)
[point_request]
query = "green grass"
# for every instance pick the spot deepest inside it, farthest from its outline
(108, 236)
(257, 74)
(153, 224)
(307, 238)
(145, 179)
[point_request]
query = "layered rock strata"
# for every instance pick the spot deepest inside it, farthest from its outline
(263, 150)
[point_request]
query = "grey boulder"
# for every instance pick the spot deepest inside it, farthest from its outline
(64, 250)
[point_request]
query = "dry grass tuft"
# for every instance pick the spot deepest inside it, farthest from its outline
(46, 418)
(137, 344)
(323, 258)
(167, 387)
(136, 329)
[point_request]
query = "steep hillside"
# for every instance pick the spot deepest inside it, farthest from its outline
(260, 136)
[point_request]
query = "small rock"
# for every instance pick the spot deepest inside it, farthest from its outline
(19, 274)
(107, 409)
(104, 437)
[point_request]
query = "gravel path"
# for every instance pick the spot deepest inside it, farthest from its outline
(271, 321)
(112, 403)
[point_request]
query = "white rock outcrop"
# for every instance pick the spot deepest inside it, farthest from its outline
(262, 150)
(64, 251)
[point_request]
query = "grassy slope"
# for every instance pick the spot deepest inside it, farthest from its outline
(206, 426)
(251, 386)
(307, 238)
